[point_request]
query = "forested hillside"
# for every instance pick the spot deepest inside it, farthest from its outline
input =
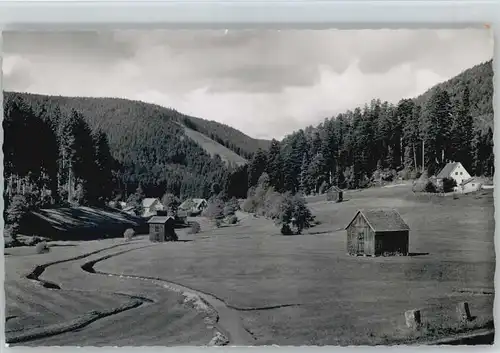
(453, 121)
(61, 150)
(147, 146)
(479, 80)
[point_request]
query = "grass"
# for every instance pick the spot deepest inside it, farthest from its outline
(341, 299)
(34, 311)
(334, 299)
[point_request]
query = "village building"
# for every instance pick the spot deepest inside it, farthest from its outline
(377, 232)
(162, 228)
(470, 185)
(334, 194)
(151, 206)
(193, 206)
(453, 170)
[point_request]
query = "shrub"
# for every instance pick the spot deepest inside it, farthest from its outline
(249, 205)
(171, 203)
(154, 237)
(449, 184)
(286, 230)
(293, 211)
(323, 187)
(32, 241)
(195, 228)
(41, 248)
(129, 234)
(215, 209)
(232, 219)
(17, 210)
(430, 187)
(231, 207)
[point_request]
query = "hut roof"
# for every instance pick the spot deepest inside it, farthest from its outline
(447, 170)
(190, 203)
(160, 219)
(334, 189)
(382, 220)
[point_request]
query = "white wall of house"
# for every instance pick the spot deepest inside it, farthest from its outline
(460, 174)
(151, 210)
(471, 187)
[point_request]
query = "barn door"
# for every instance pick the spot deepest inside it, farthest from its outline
(361, 242)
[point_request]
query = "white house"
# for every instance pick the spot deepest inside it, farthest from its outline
(193, 206)
(471, 185)
(151, 206)
(453, 170)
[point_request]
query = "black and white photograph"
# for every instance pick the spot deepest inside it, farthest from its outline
(248, 187)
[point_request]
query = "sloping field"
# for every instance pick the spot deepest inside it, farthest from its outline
(212, 147)
(80, 223)
(328, 297)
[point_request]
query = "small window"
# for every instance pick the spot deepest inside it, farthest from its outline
(472, 185)
(456, 173)
(460, 173)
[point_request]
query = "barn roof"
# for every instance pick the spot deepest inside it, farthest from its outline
(189, 203)
(447, 170)
(198, 201)
(160, 219)
(382, 220)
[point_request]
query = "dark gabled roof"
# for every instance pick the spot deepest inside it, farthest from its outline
(160, 219)
(382, 220)
(447, 170)
(334, 189)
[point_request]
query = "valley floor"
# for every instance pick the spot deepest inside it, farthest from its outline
(268, 288)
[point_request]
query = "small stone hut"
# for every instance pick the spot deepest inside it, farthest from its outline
(163, 227)
(377, 232)
(334, 194)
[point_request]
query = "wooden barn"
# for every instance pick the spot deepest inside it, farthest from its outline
(334, 194)
(163, 227)
(377, 232)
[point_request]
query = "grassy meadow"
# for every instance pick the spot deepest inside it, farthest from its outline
(289, 290)
(338, 299)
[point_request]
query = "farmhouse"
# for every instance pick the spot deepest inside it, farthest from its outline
(163, 228)
(470, 185)
(151, 206)
(453, 170)
(334, 194)
(193, 206)
(377, 232)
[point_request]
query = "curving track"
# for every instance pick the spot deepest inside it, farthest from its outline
(139, 322)
(159, 319)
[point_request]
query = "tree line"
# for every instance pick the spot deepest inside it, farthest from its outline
(378, 141)
(61, 150)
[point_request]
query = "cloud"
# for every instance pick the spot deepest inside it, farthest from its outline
(264, 82)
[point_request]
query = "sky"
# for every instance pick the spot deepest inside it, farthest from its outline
(266, 83)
